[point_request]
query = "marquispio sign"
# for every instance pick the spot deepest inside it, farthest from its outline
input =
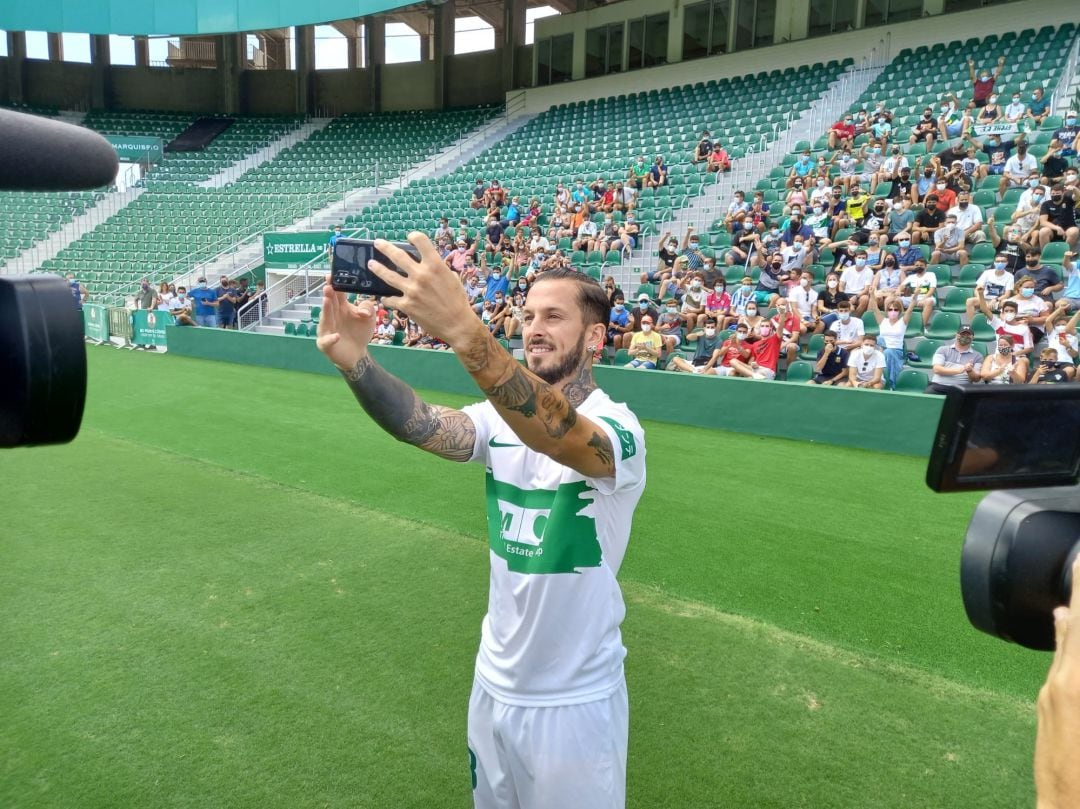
(137, 149)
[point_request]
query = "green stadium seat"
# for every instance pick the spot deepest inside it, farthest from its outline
(912, 380)
(800, 371)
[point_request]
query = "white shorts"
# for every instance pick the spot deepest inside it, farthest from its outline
(562, 757)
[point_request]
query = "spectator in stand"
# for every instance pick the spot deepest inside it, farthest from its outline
(789, 325)
(670, 325)
(802, 169)
(886, 283)
(1019, 169)
(990, 113)
(969, 218)
(693, 302)
(644, 308)
(164, 296)
(1057, 217)
(866, 366)
(606, 203)
(764, 354)
(949, 243)
(1054, 168)
(898, 221)
(983, 83)
(458, 259)
(1049, 370)
(673, 286)
(737, 210)
(493, 236)
(1003, 367)
(1047, 280)
(741, 300)
(706, 350)
(626, 196)
(580, 196)
(586, 237)
(825, 310)
(928, 221)
(924, 130)
(609, 234)
(1009, 324)
(618, 322)
(1018, 240)
(855, 283)
(803, 298)
(845, 163)
(513, 212)
(892, 330)
(1069, 135)
(923, 282)
(692, 249)
(658, 174)
(628, 235)
(1015, 110)
(848, 330)
(842, 133)
(872, 161)
(995, 285)
(384, 331)
(180, 308)
(956, 364)
(906, 253)
(561, 225)
(479, 195)
(718, 302)
(205, 304)
(703, 149)
(830, 367)
(146, 297)
(997, 150)
(1029, 306)
(719, 159)
(669, 251)
(952, 122)
(1038, 108)
(1062, 340)
(1070, 296)
(645, 347)
(495, 196)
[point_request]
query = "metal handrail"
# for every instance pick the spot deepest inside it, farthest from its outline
(252, 314)
(1061, 90)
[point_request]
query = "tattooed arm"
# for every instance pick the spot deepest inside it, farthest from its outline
(396, 408)
(544, 418)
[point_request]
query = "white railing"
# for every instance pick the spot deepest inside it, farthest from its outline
(303, 281)
(1068, 71)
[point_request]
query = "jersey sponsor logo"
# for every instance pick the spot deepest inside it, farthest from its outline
(542, 530)
(626, 438)
(497, 444)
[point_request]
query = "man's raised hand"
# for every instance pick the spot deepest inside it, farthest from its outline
(345, 330)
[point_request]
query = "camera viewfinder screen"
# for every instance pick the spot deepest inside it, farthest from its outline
(1009, 440)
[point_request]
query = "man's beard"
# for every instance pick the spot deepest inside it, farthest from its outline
(564, 368)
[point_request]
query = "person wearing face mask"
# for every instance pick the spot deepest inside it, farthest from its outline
(1008, 324)
(741, 299)
(886, 283)
(643, 309)
(1057, 217)
(670, 324)
(828, 302)
(997, 152)
(764, 344)
(949, 243)
(1069, 134)
(990, 113)
(871, 157)
(842, 133)
(693, 302)
(608, 236)
(1002, 366)
(146, 297)
(707, 344)
(719, 160)
(924, 130)
(751, 318)
(1038, 108)
(205, 304)
(1020, 169)
(803, 298)
(927, 222)
(1055, 168)
(996, 285)
(645, 347)
(618, 322)
(789, 325)
(180, 308)
(830, 367)
(1030, 306)
(1070, 296)
(983, 82)
(665, 262)
(866, 366)
(1015, 110)
(848, 328)
(627, 238)
(734, 349)
(1062, 340)
(1047, 280)
(892, 330)
(956, 364)
(855, 281)
(692, 249)
(802, 169)
(924, 282)
(772, 277)
(1049, 370)
(717, 303)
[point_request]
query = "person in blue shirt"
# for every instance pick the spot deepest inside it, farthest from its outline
(513, 212)
(618, 320)
(227, 299)
(497, 284)
(906, 254)
(77, 292)
(205, 304)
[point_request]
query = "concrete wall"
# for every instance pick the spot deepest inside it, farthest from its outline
(343, 90)
(856, 44)
(760, 408)
(474, 78)
(408, 86)
(191, 90)
(268, 92)
(58, 84)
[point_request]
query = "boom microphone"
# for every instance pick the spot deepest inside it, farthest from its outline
(40, 154)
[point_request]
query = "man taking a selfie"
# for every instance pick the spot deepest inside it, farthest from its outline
(548, 715)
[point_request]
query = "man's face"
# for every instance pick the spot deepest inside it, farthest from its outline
(554, 333)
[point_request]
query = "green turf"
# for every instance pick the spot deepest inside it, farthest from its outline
(233, 590)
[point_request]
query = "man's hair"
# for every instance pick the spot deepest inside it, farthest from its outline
(1009, 305)
(844, 304)
(592, 299)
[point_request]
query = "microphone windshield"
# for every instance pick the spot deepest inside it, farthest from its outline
(40, 154)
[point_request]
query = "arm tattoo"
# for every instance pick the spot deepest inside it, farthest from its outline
(602, 445)
(396, 408)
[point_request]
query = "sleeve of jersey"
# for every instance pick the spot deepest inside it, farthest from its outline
(480, 413)
(628, 443)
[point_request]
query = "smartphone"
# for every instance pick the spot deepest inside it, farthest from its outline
(1006, 436)
(349, 267)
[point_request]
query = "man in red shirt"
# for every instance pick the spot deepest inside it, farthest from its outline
(842, 133)
(764, 354)
(983, 84)
(788, 323)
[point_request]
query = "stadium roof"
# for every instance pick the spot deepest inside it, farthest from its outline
(177, 17)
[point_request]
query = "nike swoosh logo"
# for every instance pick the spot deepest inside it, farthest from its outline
(494, 443)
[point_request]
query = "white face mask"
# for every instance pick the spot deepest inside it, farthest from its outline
(1059, 329)
(832, 285)
(805, 282)
(646, 327)
(710, 332)
(868, 350)
(1008, 317)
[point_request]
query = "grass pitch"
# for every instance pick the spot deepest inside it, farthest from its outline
(233, 590)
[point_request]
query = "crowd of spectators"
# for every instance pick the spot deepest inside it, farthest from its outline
(203, 305)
